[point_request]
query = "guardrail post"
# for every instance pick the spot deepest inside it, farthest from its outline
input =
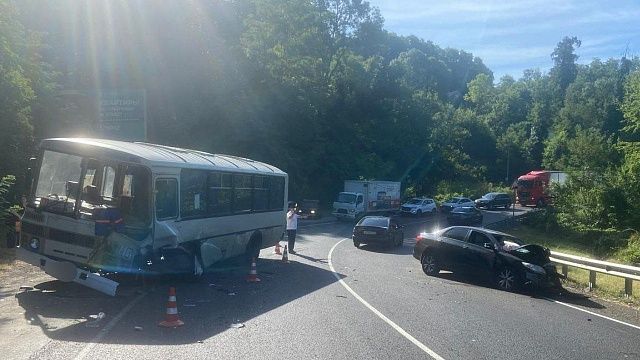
(565, 271)
(628, 287)
(592, 279)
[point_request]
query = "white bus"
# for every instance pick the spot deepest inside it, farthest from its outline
(101, 206)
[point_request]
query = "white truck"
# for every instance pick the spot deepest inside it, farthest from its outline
(365, 197)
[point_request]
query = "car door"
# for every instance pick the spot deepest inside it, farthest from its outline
(478, 259)
(477, 216)
(395, 231)
(430, 205)
(453, 242)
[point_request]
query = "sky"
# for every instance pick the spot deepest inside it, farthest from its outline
(514, 35)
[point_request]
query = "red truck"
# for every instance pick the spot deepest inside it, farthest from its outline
(532, 187)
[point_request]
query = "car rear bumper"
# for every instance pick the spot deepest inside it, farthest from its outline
(371, 239)
(67, 272)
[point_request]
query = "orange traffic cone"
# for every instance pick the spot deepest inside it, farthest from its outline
(278, 251)
(285, 255)
(171, 319)
(253, 274)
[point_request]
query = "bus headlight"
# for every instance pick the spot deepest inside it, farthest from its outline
(34, 243)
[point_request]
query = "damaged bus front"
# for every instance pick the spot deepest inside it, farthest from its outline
(100, 206)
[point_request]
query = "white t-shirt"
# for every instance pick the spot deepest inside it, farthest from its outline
(292, 221)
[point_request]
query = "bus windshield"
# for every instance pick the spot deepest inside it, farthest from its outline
(99, 184)
(58, 179)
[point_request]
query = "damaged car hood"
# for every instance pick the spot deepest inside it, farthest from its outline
(534, 254)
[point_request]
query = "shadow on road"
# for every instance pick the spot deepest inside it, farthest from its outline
(384, 249)
(559, 294)
(208, 307)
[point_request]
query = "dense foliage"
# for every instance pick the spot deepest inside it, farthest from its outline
(320, 89)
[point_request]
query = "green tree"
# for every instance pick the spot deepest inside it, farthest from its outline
(564, 58)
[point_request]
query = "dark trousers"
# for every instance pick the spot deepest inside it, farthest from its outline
(291, 236)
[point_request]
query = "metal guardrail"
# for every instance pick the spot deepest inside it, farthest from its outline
(629, 273)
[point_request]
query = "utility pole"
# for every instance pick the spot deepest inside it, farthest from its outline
(506, 178)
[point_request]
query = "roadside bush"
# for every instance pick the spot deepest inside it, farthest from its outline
(631, 252)
(5, 185)
(448, 189)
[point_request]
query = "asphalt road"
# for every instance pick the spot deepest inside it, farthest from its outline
(331, 301)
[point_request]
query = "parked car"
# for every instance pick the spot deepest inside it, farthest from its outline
(494, 200)
(455, 202)
(419, 206)
(487, 253)
(465, 215)
(379, 230)
(309, 209)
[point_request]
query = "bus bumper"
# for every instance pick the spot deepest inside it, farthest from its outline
(67, 272)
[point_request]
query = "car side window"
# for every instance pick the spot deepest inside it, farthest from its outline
(456, 233)
(478, 238)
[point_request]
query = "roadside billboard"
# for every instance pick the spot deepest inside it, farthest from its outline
(122, 115)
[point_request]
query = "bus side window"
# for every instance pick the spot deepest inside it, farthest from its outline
(166, 199)
(193, 193)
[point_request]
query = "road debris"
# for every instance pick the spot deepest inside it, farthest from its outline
(96, 320)
(341, 296)
(237, 325)
(137, 328)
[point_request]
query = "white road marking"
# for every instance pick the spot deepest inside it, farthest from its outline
(395, 326)
(592, 313)
(104, 331)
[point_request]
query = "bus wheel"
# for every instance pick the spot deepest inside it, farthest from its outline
(254, 246)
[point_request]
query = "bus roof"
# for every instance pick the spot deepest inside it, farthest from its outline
(155, 155)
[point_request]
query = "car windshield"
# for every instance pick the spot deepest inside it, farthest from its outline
(490, 196)
(415, 202)
(453, 201)
(503, 238)
(346, 198)
(374, 221)
(307, 204)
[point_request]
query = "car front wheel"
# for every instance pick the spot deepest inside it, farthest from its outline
(430, 265)
(507, 279)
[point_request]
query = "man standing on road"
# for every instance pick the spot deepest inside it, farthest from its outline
(292, 226)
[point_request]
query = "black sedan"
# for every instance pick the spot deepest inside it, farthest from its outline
(309, 209)
(494, 200)
(378, 230)
(486, 253)
(464, 216)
